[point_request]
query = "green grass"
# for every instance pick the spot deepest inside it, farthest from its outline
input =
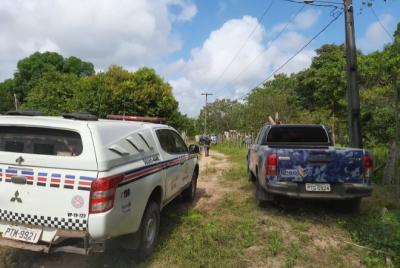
(370, 228)
(213, 239)
(292, 255)
(237, 157)
(275, 243)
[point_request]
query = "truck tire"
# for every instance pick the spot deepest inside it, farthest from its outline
(189, 193)
(149, 230)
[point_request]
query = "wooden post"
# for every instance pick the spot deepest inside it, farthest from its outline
(353, 98)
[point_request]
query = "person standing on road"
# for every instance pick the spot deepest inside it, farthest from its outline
(207, 142)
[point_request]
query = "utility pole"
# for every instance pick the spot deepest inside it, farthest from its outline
(206, 111)
(353, 96)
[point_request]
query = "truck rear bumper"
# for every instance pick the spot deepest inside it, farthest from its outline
(76, 242)
(339, 191)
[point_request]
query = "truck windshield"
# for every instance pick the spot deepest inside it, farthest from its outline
(298, 135)
(39, 140)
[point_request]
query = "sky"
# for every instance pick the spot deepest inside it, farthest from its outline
(224, 47)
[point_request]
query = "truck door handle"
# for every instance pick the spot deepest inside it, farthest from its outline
(18, 179)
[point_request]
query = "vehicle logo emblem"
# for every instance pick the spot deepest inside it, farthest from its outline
(77, 201)
(19, 160)
(16, 198)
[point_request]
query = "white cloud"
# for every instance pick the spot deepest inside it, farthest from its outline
(126, 32)
(304, 20)
(187, 94)
(202, 71)
(187, 12)
(375, 36)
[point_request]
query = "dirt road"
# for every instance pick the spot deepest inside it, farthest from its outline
(210, 191)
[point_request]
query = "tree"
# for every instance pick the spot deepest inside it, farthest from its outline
(276, 95)
(222, 115)
(76, 66)
(92, 95)
(6, 96)
(52, 93)
(139, 93)
(32, 68)
(324, 83)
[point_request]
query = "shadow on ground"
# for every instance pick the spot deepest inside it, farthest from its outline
(315, 210)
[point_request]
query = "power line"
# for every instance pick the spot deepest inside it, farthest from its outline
(297, 53)
(381, 24)
(274, 39)
(260, 19)
(317, 3)
(329, 2)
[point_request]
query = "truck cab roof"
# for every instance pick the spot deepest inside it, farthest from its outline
(106, 143)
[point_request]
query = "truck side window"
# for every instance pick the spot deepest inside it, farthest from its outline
(260, 137)
(171, 142)
(263, 138)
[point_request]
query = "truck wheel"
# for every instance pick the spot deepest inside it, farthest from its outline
(190, 193)
(149, 230)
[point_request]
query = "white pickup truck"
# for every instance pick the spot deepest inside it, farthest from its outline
(68, 184)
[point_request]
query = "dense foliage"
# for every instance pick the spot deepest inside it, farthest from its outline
(50, 83)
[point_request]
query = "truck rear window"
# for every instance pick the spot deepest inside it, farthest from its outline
(298, 135)
(38, 140)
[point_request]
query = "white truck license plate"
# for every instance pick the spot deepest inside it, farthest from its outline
(318, 187)
(22, 233)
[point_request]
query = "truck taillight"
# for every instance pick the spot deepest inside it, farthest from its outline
(102, 193)
(368, 166)
(271, 164)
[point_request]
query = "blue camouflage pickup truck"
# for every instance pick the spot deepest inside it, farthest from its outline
(300, 161)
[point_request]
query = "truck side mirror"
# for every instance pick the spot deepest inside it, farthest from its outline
(194, 149)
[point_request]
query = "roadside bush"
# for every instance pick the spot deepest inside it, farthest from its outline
(380, 153)
(378, 228)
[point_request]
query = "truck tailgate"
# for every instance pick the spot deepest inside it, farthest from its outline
(320, 165)
(45, 175)
(45, 197)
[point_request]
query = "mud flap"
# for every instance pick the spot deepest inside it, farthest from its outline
(262, 195)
